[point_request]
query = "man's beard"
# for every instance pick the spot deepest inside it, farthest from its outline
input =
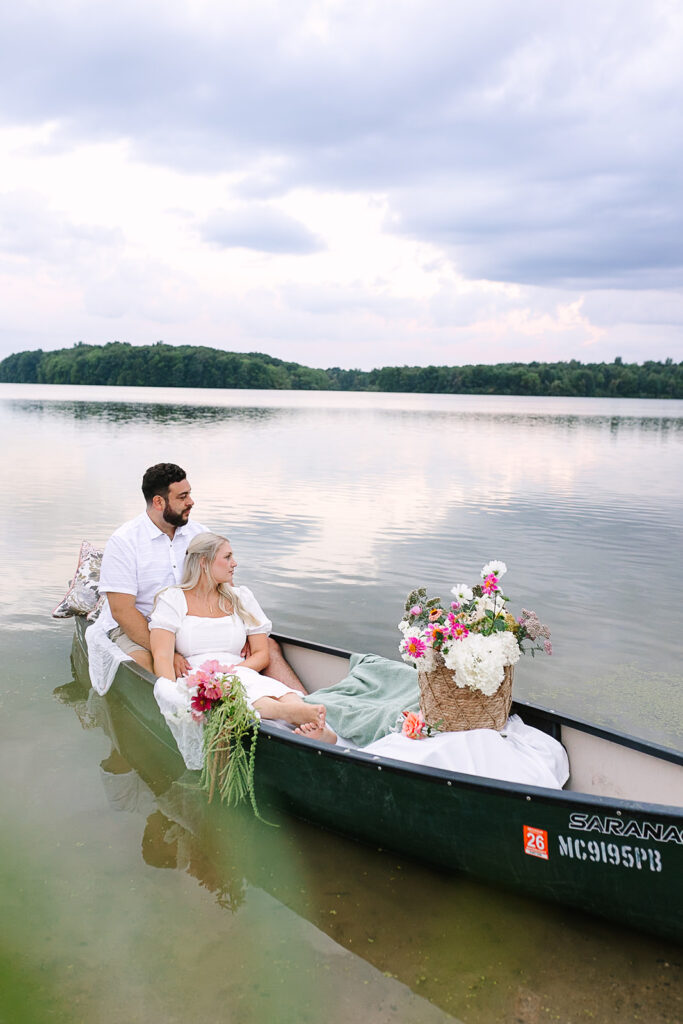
(175, 518)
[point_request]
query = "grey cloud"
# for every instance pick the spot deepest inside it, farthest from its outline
(605, 232)
(538, 143)
(258, 227)
(245, 85)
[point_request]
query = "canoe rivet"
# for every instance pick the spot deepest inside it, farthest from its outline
(449, 783)
(379, 767)
(319, 753)
(619, 813)
(528, 798)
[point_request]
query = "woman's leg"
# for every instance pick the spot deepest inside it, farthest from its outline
(290, 708)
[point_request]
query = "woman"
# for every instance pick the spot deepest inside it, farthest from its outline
(207, 618)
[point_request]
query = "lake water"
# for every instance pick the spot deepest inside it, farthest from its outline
(127, 899)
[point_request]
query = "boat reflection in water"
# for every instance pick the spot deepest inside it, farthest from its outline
(433, 946)
(235, 857)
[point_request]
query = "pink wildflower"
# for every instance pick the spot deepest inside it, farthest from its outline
(415, 610)
(211, 666)
(548, 647)
(490, 584)
(436, 634)
(459, 631)
(455, 606)
(413, 646)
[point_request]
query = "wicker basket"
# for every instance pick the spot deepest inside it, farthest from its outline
(459, 708)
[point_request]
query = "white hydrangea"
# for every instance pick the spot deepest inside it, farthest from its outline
(479, 661)
(404, 626)
(510, 647)
(427, 661)
(494, 568)
(462, 593)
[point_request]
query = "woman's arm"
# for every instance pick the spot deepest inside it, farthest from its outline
(162, 642)
(258, 658)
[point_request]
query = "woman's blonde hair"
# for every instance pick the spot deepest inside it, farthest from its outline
(201, 552)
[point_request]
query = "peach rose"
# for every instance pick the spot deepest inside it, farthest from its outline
(413, 724)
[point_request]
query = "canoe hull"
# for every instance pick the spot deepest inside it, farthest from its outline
(614, 858)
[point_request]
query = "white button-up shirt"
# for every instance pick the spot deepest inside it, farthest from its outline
(141, 559)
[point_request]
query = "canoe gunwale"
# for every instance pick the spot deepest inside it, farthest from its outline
(473, 782)
(440, 776)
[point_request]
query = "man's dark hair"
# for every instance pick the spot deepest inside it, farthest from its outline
(158, 479)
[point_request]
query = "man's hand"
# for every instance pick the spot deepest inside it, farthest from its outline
(181, 665)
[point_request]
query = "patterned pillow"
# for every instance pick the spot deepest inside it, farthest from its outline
(83, 596)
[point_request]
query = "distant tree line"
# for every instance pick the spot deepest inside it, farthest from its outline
(190, 366)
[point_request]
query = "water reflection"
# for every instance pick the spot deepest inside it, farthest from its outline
(338, 504)
(125, 413)
(436, 947)
(172, 809)
(235, 406)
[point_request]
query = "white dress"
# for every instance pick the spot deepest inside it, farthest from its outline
(202, 639)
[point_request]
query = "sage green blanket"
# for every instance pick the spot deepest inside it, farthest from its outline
(366, 703)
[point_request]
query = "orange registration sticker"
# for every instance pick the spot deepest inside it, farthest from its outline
(536, 842)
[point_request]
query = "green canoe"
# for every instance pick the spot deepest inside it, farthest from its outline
(610, 843)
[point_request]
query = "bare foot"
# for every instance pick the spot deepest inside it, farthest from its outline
(297, 712)
(290, 708)
(317, 731)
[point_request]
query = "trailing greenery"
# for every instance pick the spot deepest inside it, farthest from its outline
(190, 366)
(228, 767)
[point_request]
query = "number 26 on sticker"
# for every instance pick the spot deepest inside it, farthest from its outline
(536, 842)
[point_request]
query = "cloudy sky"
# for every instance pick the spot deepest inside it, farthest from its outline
(344, 182)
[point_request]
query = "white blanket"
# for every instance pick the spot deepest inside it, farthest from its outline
(519, 753)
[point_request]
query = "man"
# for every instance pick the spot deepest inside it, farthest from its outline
(148, 553)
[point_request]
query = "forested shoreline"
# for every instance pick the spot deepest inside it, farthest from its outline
(160, 365)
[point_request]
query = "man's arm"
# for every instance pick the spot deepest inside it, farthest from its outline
(134, 625)
(132, 622)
